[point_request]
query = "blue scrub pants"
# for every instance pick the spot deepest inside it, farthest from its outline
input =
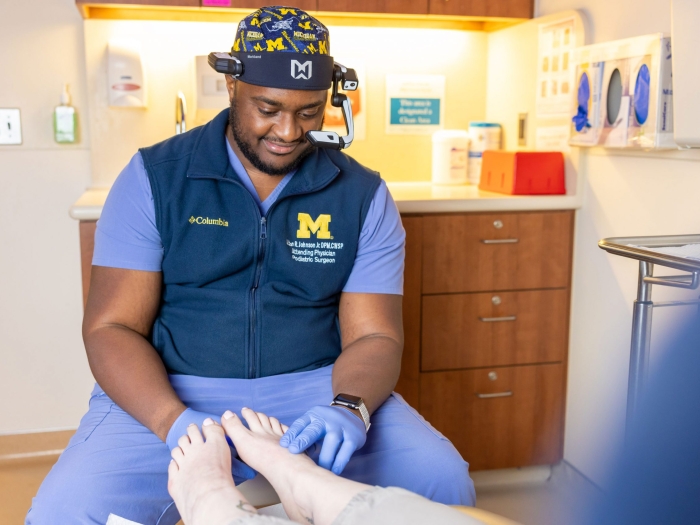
(115, 465)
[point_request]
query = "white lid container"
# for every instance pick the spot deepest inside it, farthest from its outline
(450, 150)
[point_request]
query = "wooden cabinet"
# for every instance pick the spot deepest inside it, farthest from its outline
(490, 8)
(307, 5)
(499, 417)
(419, 7)
(471, 8)
(486, 310)
(162, 3)
(493, 329)
(496, 251)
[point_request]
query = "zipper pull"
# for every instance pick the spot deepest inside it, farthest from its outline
(263, 228)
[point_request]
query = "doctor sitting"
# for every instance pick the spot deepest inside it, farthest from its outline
(241, 265)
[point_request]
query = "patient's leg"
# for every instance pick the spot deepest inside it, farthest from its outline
(309, 493)
(199, 478)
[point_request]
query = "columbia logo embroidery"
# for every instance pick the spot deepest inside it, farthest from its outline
(300, 70)
(207, 220)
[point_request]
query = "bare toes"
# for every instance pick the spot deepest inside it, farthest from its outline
(184, 442)
(173, 468)
(276, 426)
(232, 425)
(211, 430)
(264, 421)
(194, 434)
(177, 455)
(252, 419)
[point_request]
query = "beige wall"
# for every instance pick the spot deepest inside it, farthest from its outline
(169, 48)
(44, 378)
(626, 194)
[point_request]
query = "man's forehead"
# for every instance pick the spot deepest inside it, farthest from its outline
(288, 98)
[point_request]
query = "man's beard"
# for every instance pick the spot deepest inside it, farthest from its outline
(253, 157)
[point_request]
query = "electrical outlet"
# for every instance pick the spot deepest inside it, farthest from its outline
(10, 126)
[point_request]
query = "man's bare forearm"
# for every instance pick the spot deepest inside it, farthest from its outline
(368, 368)
(132, 374)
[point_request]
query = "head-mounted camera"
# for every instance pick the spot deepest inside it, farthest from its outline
(308, 72)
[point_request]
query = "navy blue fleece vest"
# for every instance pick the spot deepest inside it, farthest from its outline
(247, 296)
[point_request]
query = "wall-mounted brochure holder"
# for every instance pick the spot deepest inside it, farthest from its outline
(624, 96)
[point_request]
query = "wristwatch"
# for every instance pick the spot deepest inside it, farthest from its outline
(353, 403)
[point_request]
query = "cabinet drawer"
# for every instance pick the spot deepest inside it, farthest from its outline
(499, 418)
(496, 251)
(493, 329)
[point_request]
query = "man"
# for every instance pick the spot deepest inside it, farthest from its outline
(236, 265)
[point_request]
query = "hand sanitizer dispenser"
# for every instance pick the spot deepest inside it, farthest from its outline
(125, 75)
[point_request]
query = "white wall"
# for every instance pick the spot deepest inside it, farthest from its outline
(44, 377)
(626, 194)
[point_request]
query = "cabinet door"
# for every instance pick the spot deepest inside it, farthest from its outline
(496, 251)
(502, 8)
(409, 380)
(494, 329)
(499, 418)
(375, 6)
(167, 3)
(307, 5)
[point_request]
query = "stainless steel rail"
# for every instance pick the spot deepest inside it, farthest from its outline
(637, 248)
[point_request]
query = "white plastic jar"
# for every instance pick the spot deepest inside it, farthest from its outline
(483, 136)
(450, 151)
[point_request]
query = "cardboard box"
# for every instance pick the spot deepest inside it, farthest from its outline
(523, 172)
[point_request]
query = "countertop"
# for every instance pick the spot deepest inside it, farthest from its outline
(410, 197)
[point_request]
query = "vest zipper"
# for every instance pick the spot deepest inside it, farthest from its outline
(252, 372)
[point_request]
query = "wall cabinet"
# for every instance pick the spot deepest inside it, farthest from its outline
(419, 7)
(486, 314)
(490, 8)
(471, 8)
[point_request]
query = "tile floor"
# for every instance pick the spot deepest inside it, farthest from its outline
(559, 500)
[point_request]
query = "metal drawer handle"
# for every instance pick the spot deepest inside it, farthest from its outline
(497, 394)
(499, 241)
(497, 319)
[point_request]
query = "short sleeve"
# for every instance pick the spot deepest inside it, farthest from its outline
(127, 236)
(379, 261)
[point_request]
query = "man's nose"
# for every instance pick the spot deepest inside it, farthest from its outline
(288, 129)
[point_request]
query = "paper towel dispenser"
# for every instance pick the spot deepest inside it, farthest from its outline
(125, 75)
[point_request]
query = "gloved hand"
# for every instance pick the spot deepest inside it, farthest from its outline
(241, 472)
(342, 433)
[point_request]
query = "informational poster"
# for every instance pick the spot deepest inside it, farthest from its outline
(555, 71)
(334, 116)
(552, 138)
(415, 104)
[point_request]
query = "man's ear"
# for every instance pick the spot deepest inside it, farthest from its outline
(231, 87)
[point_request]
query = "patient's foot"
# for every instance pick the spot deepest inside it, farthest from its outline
(309, 494)
(200, 481)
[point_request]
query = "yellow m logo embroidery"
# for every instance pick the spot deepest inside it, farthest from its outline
(319, 227)
(278, 43)
(323, 47)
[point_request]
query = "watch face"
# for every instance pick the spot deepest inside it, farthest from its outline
(347, 398)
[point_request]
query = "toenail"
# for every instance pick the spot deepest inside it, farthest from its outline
(228, 414)
(192, 425)
(208, 421)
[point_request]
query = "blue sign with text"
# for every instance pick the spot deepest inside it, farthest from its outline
(415, 111)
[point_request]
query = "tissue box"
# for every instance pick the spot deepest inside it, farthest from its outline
(523, 172)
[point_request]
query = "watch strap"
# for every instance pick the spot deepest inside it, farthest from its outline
(341, 400)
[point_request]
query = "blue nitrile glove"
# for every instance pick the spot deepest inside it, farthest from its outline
(241, 472)
(342, 433)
